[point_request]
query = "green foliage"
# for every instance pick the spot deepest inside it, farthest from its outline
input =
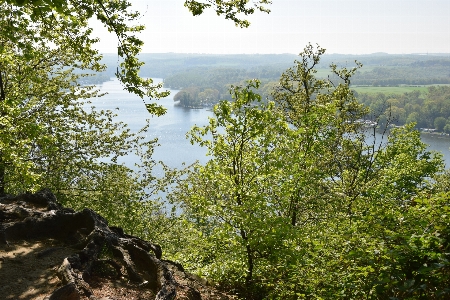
(64, 25)
(439, 123)
(406, 164)
(405, 257)
(421, 108)
(233, 211)
(230, 9)
(201, 87)
(55, 141)
(389, 90)
(412, 71)
(295, 204)
(50, 138)
(219, 71)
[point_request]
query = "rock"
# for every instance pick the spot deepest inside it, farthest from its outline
(66, 292)
(104, 252)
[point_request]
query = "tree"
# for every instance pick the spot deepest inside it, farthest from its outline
(65, 26)
(328, 137)
(32, 80)
(439, 123)
(230, 198)
(231, 9)
(209, 96)
(49, 137)
(71, 19)
(342, 186)
(266, 179)
(41, 43)
(295, 202)
(413, 118)
(447, 128)
(188, 97)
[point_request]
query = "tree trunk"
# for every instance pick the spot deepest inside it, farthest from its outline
(248, 278)
(250, 265)
(2, 176)
(2, 166)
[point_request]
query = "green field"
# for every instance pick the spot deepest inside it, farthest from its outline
(389, 89)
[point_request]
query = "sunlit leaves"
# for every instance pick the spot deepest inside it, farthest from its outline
(298, 202)
(64, 27)
(50, 138)
(233, 10)
(231, 198)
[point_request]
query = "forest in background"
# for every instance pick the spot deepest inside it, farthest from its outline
(204, 80)
(379, 69)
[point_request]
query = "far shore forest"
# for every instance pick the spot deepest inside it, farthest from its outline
(401, 88)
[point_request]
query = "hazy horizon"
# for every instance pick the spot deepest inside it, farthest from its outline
(363, 54)
(341, 26)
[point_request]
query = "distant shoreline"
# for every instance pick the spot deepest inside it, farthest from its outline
(436, 135)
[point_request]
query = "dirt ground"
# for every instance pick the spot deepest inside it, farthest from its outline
(28, 271)
(30, 260)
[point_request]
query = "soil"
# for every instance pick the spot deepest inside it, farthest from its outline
(52, 253)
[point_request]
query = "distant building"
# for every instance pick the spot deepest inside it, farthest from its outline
(428, 129)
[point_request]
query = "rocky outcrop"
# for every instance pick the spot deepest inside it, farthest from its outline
(95, 261)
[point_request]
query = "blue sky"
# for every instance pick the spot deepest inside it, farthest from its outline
(340, 26)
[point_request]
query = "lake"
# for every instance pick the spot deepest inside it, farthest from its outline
(170, 129)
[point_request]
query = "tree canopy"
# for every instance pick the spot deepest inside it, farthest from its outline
(49, 137)
(296, 202)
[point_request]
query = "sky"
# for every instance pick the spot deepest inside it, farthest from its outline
(340, 26)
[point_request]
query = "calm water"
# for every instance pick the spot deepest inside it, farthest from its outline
(171, 128)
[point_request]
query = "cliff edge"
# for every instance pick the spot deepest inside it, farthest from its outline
(54, 253)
